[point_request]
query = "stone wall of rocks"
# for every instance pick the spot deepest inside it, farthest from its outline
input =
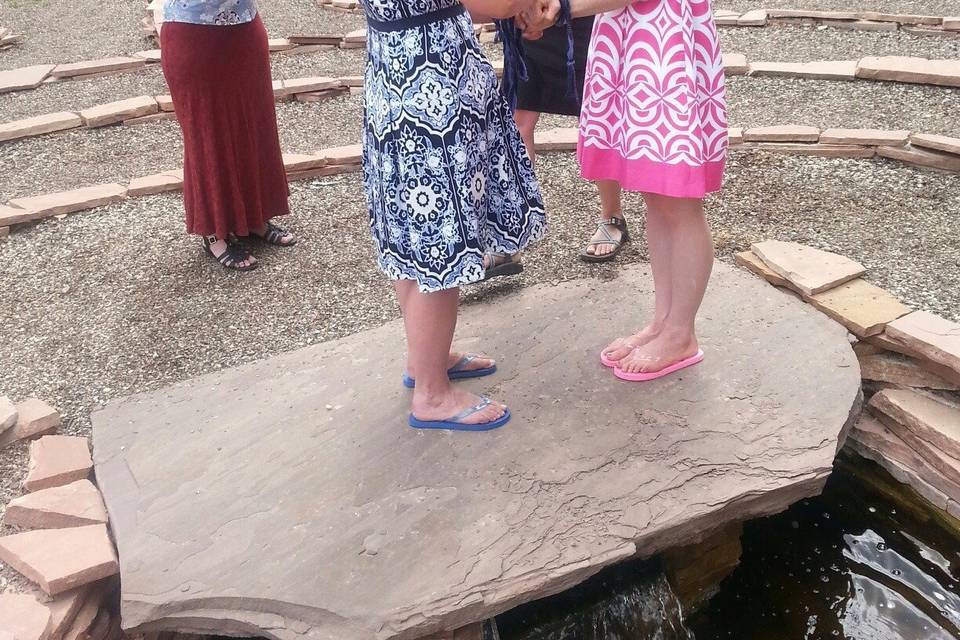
(909, 362)
(62, 545)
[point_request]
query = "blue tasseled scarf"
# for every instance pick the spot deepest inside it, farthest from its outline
(514, 63)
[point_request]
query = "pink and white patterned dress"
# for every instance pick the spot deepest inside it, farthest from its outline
(654, 113)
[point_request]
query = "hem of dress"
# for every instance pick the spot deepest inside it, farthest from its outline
(650, 176)
(395, 271)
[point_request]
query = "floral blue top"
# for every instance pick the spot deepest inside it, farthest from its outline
(210, 12)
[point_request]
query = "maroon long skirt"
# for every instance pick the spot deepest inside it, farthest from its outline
(219, 78)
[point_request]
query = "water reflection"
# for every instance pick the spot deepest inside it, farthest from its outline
(864, 561)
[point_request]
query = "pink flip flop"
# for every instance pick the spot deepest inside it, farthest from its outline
(646, 376)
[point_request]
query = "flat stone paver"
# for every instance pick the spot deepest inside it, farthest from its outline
(933, 422)
(23, 617)
(38, 125)
(35, 418)
(24, 77)
(71, 505)
(809, 270)
(292, 493)
(936, 338)
(56, 461)
(862, 307)
(59, 560)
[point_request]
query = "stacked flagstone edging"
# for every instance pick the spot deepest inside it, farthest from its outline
(61, 544)
(909, 360)
(917, 149)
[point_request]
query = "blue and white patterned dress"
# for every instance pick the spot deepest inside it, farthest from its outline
(210, 12)
(446, 174)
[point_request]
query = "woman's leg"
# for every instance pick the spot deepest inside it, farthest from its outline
(610, 207)
(430, 320)
(527, 124)
(689, 255)
(660, 248)
(404, 291)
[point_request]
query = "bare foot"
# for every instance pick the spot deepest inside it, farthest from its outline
(621, 347)
(454, 402)
(479, 361)
(661, 352)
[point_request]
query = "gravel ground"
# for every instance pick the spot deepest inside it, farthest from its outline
(803, 44)
(74, 95)
(78, 158)
(83, 157)
(60, 31)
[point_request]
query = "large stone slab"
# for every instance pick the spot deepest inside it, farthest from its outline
(55, 204)
(103, 65)
(8, 414)
(288, 498)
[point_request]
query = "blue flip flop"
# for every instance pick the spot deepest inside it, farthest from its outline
(456, 422)
(457, 371)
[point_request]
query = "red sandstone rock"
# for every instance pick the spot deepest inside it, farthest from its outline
(23, 617)
(35, 418)
(810, 270)
(59, 560)
(88, 67)
(935, 338)
(71, 505)
(56, 461)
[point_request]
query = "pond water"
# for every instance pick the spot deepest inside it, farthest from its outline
(866, 560)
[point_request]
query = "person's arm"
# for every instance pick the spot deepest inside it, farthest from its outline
(545, 12)
(581, 8)
(497, 9)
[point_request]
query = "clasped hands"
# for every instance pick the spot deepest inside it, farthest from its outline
(538, 16)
